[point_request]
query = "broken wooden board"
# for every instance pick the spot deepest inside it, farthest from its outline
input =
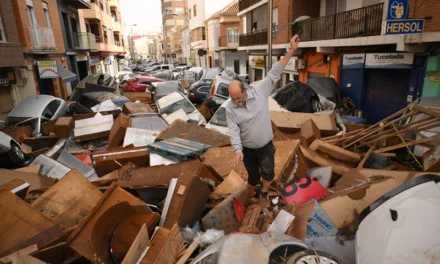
(37, 182)
(322, 161)
(69, 200)
(219, 159)
(310, 131)
(170, 251)
(21, 225)
(156, 244)
(137, 248)
(96, 127)
(335, 152)
(292, 121)
(431, 159)
(105, 160)
(231, 184)
(193, 132)
(13, 257)
(33, 169)
(136, 108)
(153, 176)
(140, 96)
(188, 201)
(81, 238)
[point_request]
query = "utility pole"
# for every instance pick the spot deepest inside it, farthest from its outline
(269, 35)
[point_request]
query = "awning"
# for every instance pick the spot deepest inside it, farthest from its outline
(65, 74)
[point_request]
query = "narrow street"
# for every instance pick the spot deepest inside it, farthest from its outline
(220, 132)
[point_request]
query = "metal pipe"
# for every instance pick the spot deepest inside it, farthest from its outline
(269, 35)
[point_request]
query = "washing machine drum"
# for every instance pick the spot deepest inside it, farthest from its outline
(403, 226)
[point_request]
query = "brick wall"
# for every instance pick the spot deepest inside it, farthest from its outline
(23, 22)
(428, 10)
(305, 8)
(284, 10)
(11, 52)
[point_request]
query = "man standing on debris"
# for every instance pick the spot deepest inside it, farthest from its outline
(250, 126)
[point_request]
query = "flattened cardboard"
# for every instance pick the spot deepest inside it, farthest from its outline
(105, 160)
(292, 121)
(69, 200)
(33, 169)
(193, 132)
(117, 132)
(310, 131)
(231, 184)
(320, 160)
(81, 239)
(37, 182)
(21, 225)
(136, 108)
(187, 207)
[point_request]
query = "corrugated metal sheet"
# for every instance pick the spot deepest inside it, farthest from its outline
(386, 92)
(352, 85)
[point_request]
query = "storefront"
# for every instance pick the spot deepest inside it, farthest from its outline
(7, 79)
(257, 68)
(50, 75)
(320, 65)
(380, 84)
(290, 73)
(95, 64)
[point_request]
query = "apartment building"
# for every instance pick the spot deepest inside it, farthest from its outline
(104, 21)
(223, 29)
(364, 45)
(197, 32)
(174, 20)
(11, 60)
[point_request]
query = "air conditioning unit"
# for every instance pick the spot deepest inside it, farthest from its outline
(300, 64)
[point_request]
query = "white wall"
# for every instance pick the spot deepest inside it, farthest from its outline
(186, 43)
(199, 20)
(229, 57)
(213, 33)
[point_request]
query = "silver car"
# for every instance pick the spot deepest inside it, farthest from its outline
(36, 110)
(11, 150)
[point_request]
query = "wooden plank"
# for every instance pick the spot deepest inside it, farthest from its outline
(137, 248)
(21, 225)
(26, 259)
(193, 132)
(188, 143)
(318, 159)
(335, 152)
(37, 182)
(12, 257)
(188, 252)
(69, 200)
(365, 158)
(293, 121)
(143, 97)
(310, 131)
(410, 143)
(425, 110)
(33, 169)
(172, 248)
(81, 239)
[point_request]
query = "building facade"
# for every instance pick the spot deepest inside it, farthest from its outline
(104, 21)
(174, 20)
(197, 32)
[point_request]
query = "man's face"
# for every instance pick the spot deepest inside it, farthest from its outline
(239, 97)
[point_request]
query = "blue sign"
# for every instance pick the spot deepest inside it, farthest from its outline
(405, 26)
(397, 9)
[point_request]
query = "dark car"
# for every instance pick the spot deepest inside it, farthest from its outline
(165, 75)
(298, 97)
(96, 78)
(326, 87)
(198, 92)
(165, 88)
(89, 100)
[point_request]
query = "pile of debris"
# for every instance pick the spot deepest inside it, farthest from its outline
(127, 187)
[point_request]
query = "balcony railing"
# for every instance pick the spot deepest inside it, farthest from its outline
(243, 4)
(84, 41)
(98, 38)
(365, 21)
(228, 41)
(117, 43)
(42, 38)
(254, 38)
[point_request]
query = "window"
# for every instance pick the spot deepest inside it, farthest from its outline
(237, 66)
(195, 10)
(2, 31)
(169, 22)
(101, 5)
(51, 109)
(180, 22)
(107, 8)
(168, 11)
(232, 34)
(94, 29)
(189, 14)
(111, 36)
(179, 10)
(165, 67)
(104, 31)
(204, 89)
(275, 19)
(223, 89)
(46, 14)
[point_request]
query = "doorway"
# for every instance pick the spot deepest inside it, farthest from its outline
(82, 69)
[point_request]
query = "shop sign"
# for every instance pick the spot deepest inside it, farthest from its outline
(257, 61)
(353, 61)
(173, 55)
(4, 82)
(389, 60)
(7, 77)
(291, 65)
(433, 77)
(108, 60)
(397, 9)
(405, 26)
(94, 59)
(47, 69)
(191, 60)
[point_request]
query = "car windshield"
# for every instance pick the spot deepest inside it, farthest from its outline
(210, 74)
(182, 104)
(178, 70)
(219, 119)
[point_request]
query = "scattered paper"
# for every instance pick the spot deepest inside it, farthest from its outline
(281, 222)
(179, 114)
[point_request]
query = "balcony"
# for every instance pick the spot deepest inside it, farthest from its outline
(116, 25)
(253, 38)
(228, 42)
(84, 41)
(79, 4)
(117, 43)
(365, 21)
(42, 38)
(244, 4)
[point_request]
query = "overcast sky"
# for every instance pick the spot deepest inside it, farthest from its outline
(147, 14)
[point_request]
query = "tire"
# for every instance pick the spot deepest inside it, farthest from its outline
(15, 155)
(316, 106)
(310, 257)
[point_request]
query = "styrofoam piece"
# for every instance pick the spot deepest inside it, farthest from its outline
(171, 188)
(281, 222)
(156, 160)
(139, 137)
(51, 168)
(179, 114)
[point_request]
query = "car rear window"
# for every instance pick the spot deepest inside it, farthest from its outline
(223, 89)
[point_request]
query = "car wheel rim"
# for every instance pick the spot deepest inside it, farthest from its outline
(312, 259)
(19, 153)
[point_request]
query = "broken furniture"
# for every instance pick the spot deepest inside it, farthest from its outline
(178, 149)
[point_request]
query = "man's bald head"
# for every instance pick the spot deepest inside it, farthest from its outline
(237, 91)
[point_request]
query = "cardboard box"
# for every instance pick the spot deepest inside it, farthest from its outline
(290, 121)
(37, 146)
(136, 108)
(48, 127)
(63, 127)
(143, 97)
(310, 131)
(105, 160)
(117, 132)
(96, 127)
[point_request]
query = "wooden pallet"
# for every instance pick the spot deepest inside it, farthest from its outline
(178, 149)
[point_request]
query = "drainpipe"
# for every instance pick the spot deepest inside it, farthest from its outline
(269, 36)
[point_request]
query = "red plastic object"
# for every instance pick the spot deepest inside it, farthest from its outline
(303, 191)
(240, 210)
(85, 158)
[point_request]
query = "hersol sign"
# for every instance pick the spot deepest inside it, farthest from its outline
(47, 69)
(389, 60)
